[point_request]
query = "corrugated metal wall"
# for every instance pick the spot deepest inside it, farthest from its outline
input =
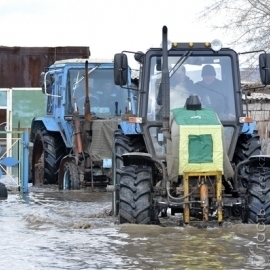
(21, 66)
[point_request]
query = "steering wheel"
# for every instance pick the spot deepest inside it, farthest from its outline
(94, 101)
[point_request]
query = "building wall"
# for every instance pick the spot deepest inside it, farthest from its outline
(21, 66)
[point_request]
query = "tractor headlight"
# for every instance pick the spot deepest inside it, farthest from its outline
(216, 45)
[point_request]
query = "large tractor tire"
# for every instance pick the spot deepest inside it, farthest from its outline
(3, 191)
(48, 150)
(258, 196)
(135, 195)
(120, 147)
(248, 145)
(71, 179)
(122, 144)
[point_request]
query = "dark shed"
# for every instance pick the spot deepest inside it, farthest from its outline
(21, 66)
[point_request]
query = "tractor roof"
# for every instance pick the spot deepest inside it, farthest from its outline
(82, 60)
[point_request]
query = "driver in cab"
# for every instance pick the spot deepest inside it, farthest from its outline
(181, 88)
(212, 93)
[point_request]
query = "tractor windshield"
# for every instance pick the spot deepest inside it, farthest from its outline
(106, 99)
(209, 77)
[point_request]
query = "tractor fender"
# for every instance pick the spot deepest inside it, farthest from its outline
(48, 122)
(130, 128)
(248, 128)
(260, 160)
(136, 158)
(256, 160)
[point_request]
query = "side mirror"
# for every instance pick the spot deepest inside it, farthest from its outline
(264, 65)
(120, 69)
(46, 82)
(41, 81)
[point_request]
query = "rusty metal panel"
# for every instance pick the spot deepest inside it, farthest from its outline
(21, 66)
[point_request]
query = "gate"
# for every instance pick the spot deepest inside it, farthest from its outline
(18, 106)
(14, 154)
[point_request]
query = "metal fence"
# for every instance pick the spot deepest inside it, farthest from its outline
(14, 158)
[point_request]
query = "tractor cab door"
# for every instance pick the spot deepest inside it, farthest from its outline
(51, 86)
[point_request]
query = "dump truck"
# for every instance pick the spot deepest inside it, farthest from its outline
(194, 150)
(72, 143)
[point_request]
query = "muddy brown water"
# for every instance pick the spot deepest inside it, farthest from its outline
(51, 229)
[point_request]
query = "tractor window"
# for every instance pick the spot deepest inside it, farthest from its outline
(209, 77)
(106, 99)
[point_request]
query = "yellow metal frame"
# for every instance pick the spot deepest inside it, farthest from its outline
(218, 175)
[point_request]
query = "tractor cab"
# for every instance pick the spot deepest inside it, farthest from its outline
(203, 69)
(107, 99)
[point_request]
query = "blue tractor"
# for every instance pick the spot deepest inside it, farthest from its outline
(195, 151)
(72, 143)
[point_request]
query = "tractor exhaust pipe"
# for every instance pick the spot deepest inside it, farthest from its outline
(78, 133)
(87, 107)
(165, 84)
(165, 92)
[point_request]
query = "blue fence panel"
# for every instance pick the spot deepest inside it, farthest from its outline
(14, 159)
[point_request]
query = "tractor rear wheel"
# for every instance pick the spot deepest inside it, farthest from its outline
(48, 150)
(135, 195)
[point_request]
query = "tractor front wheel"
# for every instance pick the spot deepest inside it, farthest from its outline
(258, 196)
(135, 195)
(70, 176)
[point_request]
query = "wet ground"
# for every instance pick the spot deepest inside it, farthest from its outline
(51, 229)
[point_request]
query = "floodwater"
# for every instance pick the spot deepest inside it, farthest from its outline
(51, 229)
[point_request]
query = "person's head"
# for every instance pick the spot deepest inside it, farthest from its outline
(180, 74)
(208, 74)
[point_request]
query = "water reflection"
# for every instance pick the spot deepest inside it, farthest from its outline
(48, 229)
